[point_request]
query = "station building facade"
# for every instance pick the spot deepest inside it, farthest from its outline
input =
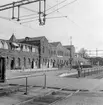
(51, 55)
(33, 53)
(19, 55)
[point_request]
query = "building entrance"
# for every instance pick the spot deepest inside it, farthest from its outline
(12, 63)
(2, 69)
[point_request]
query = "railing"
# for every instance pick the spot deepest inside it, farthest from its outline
(26, 80)
(91, 71)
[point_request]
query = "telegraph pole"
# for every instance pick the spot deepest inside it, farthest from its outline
(96, 52)
(71, 53)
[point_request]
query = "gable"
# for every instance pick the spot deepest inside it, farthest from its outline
(60, 46)
(13, 38)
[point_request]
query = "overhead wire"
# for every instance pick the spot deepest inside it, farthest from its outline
(10, 20)
(48, 8)
(37, 19)
(52, 12)
(48, 13)
(5, 18)
(30, 18)
(27, 15)
(28, 9)
(62, 7)
(56, 5)
(29, 21)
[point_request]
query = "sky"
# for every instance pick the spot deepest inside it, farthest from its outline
(84, 23)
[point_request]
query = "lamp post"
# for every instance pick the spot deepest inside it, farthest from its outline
(71, 59)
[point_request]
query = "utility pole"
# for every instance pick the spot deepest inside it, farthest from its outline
(96, 52)
(70, 40)
(71, 53)
(18, 4)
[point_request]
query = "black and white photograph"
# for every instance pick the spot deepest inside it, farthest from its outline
(51, 52)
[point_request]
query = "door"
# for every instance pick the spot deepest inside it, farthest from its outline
(2, 69)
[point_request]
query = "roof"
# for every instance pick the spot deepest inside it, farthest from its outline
(31, 39)
(13, 38)
(55, 43)
(68, 46)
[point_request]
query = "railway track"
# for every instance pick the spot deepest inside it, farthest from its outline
(50, 98)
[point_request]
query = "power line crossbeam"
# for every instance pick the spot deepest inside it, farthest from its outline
(20, 3)
(16, 4)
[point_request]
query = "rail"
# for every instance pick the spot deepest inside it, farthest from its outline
(91, 71)
(26, 80)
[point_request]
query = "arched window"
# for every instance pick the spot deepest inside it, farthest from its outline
(32, 65)
(18, 62)
(28, 49)
(13, 63)
(24, 62)
(7, 60)
(21, 47)
(24, 48)
(33, 49)
(29, 61)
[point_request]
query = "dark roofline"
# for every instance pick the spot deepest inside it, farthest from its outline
(32, 38)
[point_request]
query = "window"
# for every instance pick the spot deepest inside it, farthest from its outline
(27, 48)
(33, 49)
(49, 51)
(54, 52)
(1, 45)
(13, 63)
(7, 60)
(29, 61)
(21, 47)
(24, 62)
(24, 47)
(30, 48)
(18, 62)
(43, 49)
(5, 45)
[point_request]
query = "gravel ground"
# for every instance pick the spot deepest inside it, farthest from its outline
(83, 99)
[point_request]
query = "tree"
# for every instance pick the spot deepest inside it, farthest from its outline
(83, 53)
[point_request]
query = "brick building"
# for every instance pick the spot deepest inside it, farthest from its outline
(50, 54)
(36, 52)
(58, 55)
(42, 44)
(18, 55)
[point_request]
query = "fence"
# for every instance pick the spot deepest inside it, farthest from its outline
(26, 78)
(91, 71)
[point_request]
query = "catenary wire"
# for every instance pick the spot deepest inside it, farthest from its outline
(10, 20)
(27, 15)
(29, 9)
(46, 18)
(30, 18)
(48, 8)
(56, 5)
(62, 7)
(51, 12)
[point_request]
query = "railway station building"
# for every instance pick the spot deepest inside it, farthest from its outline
(34, 53)
(18, 55)
(51, 55)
